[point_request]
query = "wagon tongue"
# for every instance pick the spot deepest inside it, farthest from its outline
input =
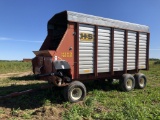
(48, 53)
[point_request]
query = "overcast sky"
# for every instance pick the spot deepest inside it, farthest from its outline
(23, 23)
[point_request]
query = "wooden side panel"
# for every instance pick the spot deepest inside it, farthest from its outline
(86, 48)
(104, 42)
(142, 51)
(131, 54)
(118, 50)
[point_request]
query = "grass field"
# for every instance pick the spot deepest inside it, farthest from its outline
(103, 102)
(14, 66)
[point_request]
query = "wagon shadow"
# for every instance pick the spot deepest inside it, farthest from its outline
(102, 85)
(91, 85)
(41, 97)
(26, 78)
(30, 100)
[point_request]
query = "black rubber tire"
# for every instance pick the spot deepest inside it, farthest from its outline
(127, 82)
(140, 80)
(69, 90)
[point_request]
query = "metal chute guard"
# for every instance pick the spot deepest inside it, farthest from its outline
(61, 67)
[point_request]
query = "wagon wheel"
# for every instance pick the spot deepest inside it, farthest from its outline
(127, 82)
(74, 92)
(140, 80)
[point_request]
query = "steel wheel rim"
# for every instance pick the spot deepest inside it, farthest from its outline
(129, 84)
(76, 93)
(141, 82)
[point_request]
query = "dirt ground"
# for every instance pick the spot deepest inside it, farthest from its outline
(29, 106)
(20, 74)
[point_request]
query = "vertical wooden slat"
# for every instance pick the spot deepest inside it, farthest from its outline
(137, 52)
(77, 51)
(96, 50)
(112, 51)
(125, 50)
(147, 51)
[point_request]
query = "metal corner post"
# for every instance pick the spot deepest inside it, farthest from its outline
(137, 53)
(96, 51)
(112, 51)
(77, 51)
(125, 50)
(147, 49)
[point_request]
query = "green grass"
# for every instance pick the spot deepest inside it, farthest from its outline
(14, 66)
(157, 62)
(103, 102)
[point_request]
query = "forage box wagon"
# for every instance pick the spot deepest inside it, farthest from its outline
(81, 47)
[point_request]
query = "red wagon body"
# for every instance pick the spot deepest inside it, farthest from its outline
(82, 47)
